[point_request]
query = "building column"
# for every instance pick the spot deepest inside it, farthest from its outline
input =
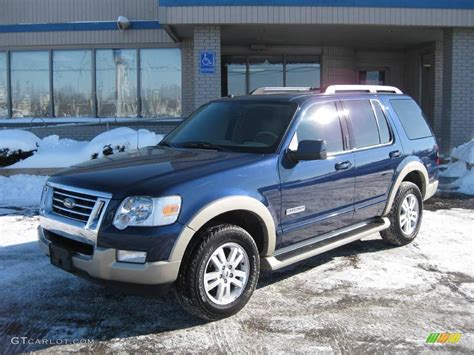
(207, 85)
(438, 88)
(187, 79)
(458, 75)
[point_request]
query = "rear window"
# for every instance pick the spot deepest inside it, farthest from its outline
(384, 131)
(412, 118)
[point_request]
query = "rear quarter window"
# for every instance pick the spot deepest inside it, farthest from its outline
(411, 117)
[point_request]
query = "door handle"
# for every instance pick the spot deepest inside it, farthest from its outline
(343, 165)
(395, 154)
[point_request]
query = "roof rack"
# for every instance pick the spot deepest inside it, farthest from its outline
(283, 90)
(372, 89)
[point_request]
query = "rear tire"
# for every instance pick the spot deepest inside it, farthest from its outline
(405, 216)
(219, 272)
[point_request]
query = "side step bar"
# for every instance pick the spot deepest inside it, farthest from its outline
(321, 244)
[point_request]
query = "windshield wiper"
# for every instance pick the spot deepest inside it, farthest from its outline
(203, 145)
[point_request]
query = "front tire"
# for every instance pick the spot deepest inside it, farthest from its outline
(219, 273)
(405, 216)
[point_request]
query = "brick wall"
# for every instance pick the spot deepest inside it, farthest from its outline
(338, 66)
(458, 110)
(206, 86)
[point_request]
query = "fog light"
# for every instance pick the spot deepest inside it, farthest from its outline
(128, 256)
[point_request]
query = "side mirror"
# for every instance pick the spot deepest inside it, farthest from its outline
(308, 150)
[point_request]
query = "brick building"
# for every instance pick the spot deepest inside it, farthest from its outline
(67, 59)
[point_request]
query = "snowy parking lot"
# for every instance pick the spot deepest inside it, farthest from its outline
(362, 298)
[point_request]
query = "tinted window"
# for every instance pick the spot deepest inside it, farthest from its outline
(411, 117)
(362, 120)
(320, 122)
(236, 125)
(382, 122)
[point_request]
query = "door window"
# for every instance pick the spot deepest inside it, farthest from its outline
(384, 131)
(320, 121)
(363, 123)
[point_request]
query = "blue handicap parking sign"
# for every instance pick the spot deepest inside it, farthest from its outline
(207, 62)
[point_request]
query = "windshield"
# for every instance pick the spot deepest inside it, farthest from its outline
(240, 126)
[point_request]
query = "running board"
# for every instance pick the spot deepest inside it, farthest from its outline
(321, 244)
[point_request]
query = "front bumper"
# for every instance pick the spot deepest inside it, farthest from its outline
(102, 264)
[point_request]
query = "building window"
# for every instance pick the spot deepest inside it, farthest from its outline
(124, 85)
(236, 76)
(265, 71)
(303, 71)
(116, 76)
(72, 83)
(160, 78)
(372, 77)
(3, 86)
(241, 75)
(30, 84)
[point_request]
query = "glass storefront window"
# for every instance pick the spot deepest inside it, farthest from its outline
(3, 86)
(72, 83)
(265, 71)
(240, 78)
(116, 76)
(30, 84)
(160, 77)
(303, 71)
(236, 75)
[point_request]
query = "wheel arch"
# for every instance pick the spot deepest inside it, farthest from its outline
(229, 209)
(412, 170)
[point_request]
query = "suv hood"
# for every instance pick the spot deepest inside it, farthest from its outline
(149, 170)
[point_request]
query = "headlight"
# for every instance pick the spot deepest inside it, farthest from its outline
(147, 211)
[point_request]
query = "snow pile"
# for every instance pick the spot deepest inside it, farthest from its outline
(16, 139)
(461, 169)
(21, 190)
(60, 153)
(119, 140)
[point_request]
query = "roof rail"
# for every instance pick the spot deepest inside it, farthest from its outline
(283, 90)
(373, 89)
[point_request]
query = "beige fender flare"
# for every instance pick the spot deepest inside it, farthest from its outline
(218, 207)
(405, 169)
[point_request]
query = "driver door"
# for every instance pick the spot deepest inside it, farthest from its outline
(317, 195)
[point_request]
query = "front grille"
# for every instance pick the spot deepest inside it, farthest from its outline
(80, 208)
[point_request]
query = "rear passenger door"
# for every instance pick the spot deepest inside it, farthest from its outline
(376, 152)
(317, 195)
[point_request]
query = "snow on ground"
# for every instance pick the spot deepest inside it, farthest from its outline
(57, 153)
(460, 170)
(21, 190)
(16, 139)
(366, 297)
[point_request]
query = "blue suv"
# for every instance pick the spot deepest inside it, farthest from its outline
(258, 181)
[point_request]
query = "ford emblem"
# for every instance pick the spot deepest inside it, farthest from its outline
(69, 203)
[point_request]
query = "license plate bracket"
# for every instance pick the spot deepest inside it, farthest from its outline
(61, 257)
